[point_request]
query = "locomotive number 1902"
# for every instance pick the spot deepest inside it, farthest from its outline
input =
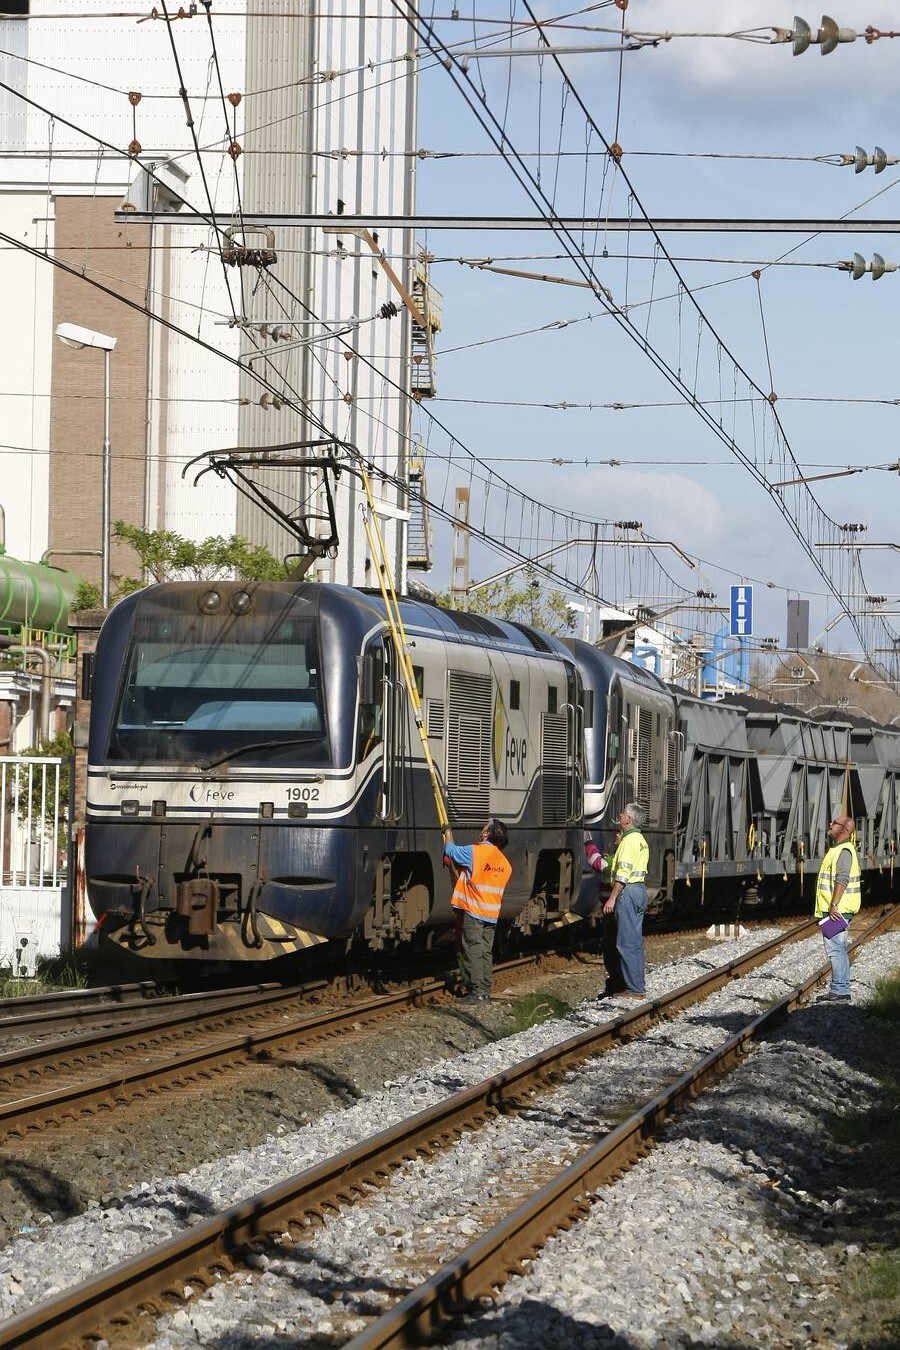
(303, 794)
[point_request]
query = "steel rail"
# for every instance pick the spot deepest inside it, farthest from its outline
(113, 993)
(74, 1014)
(156, 1279)
(499, 1253)
(30, 1061)
(199, 1013)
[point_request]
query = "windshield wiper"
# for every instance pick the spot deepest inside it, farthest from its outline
(206, 764)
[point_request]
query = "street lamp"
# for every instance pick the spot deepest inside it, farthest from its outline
(73, 335)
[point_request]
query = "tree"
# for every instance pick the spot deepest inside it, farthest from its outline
(166, 556)
(530, 602)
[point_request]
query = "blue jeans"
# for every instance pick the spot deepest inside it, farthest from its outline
(629, 914)
(836, 951)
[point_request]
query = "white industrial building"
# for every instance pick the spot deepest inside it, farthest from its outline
(293, 113)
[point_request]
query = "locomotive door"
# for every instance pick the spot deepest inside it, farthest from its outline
(616, 746)
(574, 711)
(394, 741)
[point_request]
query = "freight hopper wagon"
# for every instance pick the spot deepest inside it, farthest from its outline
(739, 794)
(758, 787)
(256, 780)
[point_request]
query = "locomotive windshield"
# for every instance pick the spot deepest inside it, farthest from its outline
(202, 688)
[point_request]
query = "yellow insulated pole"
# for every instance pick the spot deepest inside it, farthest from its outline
(398, 637)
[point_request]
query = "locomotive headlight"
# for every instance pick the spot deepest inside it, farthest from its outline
(240, 602)
(210, 602)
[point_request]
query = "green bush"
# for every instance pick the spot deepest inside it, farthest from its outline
(530, 1010)
(885, 1002)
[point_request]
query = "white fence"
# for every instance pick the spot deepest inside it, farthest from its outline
(34, 819)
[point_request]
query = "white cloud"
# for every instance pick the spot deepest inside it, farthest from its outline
(667, 503)
(762, 81)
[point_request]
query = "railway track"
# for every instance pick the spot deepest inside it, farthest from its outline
(106, 1005)
(142, 1068)
(43, 1014)
(64, 999)
(39, 1015)
(45, 1082)
(194, 1259)
(483, 1267)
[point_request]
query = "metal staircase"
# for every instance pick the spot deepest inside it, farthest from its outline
(423, 374)
(418, 537)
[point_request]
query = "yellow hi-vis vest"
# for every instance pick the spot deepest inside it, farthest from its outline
(849, 901)
(630, 860)
(482, 892)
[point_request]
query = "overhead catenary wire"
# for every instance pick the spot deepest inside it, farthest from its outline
(615, 405)
(183, 93)
(448, 517)
(835, 159)
(567, 520)
(529, 504)
(242, 365)
(802, 510)
(157, 318)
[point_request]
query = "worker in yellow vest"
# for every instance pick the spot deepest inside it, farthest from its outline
(627, 901)
(482, 872)
(628, 898)
(837, 900)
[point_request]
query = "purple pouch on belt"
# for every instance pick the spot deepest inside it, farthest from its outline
(831, 927)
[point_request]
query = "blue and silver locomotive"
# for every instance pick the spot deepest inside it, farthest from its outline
(257, 784)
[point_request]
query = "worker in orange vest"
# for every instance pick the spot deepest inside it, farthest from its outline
(482, 874)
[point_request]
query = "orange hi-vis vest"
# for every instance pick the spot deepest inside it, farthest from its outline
(481, 894)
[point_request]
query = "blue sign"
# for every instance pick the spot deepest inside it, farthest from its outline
(741, 611)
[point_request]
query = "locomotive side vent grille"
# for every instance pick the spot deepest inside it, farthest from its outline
(469, 744)
(554, 779)
(645, 734)
(434, 717)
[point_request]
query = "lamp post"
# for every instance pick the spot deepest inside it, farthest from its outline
(73, 335)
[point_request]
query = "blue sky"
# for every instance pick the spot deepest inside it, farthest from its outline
(824, 335)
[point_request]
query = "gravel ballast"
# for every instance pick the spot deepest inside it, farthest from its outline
(675, 1205)
(59, 1173)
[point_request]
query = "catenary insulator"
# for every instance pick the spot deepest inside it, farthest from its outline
(858, 267)
(828, 36)
(879, 158)
(801, 36)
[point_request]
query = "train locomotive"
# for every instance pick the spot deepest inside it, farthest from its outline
(256, 782)
(257, 786)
